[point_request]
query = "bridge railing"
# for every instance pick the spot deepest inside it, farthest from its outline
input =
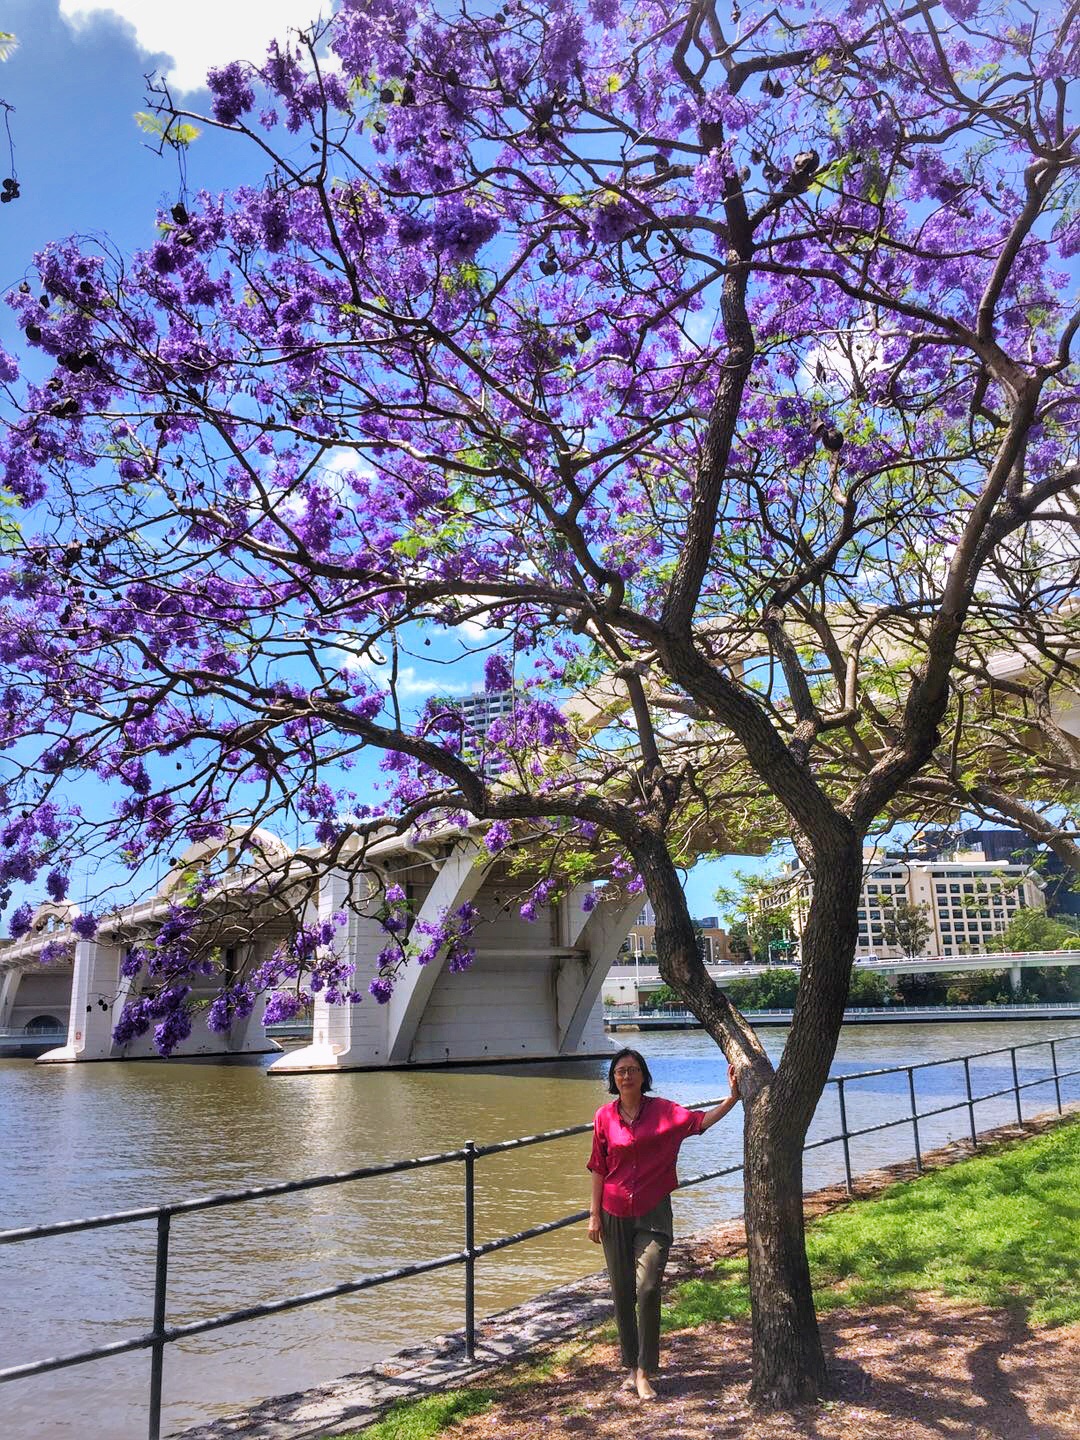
(161, 1334)
(677, 1012)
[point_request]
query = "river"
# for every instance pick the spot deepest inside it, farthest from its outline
(87, 1139)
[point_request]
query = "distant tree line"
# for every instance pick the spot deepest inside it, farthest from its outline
(1027, 931)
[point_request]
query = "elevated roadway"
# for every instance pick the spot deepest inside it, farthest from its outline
(624, 980)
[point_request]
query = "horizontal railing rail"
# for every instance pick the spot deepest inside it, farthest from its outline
(675, 1012)
(161, 1334)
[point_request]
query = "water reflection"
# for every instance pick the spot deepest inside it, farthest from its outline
(88, 1139)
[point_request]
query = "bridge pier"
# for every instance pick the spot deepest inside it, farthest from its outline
(9, 984)
(97, 994)
(344, 1036)
(532, 992)
(598, 936)
(458, 880)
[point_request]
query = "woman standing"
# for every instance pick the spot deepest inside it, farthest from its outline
(636, 1140)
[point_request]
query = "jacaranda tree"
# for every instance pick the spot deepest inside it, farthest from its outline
(708, 357)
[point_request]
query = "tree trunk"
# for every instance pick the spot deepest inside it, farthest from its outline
(788, 1365)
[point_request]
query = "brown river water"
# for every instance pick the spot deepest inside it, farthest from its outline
(87, 1139)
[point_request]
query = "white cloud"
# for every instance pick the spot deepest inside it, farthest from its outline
(412, 684)
(836, 363)
(482, 627)
(196, 34)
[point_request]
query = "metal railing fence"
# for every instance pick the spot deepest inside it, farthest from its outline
(162, 1334)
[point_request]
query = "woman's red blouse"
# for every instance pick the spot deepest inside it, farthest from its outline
(638, 1161)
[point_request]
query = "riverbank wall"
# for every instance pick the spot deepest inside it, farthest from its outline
(554, 1317)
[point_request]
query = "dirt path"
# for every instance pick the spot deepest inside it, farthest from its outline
(938, 1369)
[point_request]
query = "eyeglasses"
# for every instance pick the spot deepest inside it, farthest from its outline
(625, 1072)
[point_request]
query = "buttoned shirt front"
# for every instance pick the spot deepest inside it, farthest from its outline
(637, 1160)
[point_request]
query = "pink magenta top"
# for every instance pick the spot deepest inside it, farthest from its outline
(638, 1161)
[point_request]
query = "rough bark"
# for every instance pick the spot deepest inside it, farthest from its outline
(788, 1363)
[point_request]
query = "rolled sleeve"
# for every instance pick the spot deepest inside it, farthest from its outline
(687, 1122)
(598, 1160)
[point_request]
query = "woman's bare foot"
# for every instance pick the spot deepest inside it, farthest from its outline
(644, 1387)
(630, 1383)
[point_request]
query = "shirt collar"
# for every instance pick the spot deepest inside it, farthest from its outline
(617, 1102)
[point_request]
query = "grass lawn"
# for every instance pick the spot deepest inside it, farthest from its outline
(1000, 1229)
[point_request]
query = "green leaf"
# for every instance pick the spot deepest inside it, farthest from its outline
(175, 132)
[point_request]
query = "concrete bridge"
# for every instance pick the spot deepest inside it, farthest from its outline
(532, 992)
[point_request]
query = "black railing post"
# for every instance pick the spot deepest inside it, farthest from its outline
(1016, 1087)
(844, 1134)
(1057, 1080)
(157, 1350)
(914, 1117)
(970, 1104)
(470, 1249)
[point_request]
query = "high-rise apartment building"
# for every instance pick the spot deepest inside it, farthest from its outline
(483, 706)
(478, 710)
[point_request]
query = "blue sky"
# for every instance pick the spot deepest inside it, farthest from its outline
(75, 83)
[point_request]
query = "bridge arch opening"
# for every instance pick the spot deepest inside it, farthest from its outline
(43, 1025)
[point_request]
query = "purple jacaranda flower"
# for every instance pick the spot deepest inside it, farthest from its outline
(497, 674)
(497, 837)
(282, 1006)
(56, 883)
(459, 229)
(382, 987)
(20, 921)
(232, 92)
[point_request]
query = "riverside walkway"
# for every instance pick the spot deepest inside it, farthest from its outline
(665, 1017)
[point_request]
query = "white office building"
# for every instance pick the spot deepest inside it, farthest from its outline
(967, 900)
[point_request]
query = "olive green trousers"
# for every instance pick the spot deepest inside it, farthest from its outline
(635, 1252)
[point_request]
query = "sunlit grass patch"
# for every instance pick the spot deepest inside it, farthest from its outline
(998, 1229)
(417, 1419)
(421, 1418)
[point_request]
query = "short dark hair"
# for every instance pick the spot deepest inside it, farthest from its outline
(646, 1074)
